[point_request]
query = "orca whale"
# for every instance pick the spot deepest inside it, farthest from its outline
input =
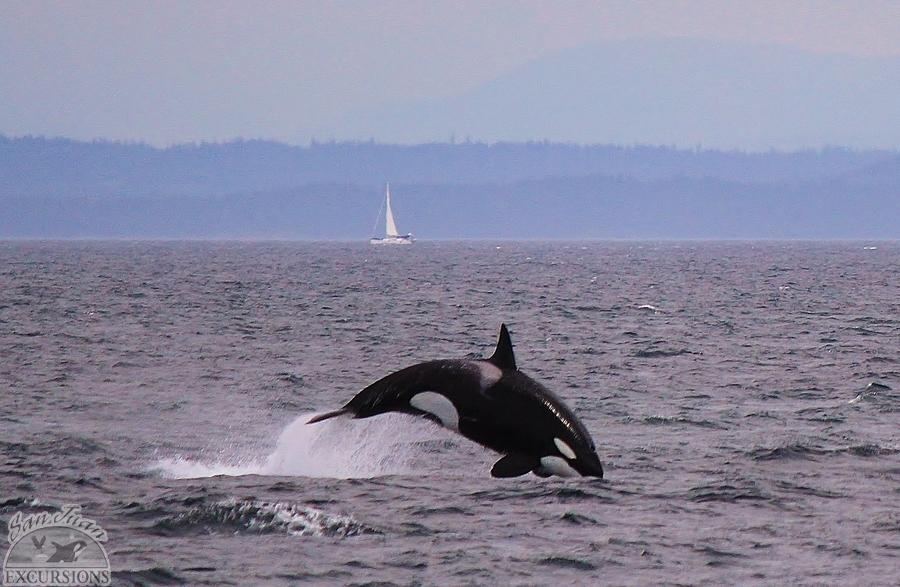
(492, 403)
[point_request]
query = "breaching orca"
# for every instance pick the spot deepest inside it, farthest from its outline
(492, 403)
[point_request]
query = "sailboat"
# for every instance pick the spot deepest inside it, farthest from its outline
(393, 236)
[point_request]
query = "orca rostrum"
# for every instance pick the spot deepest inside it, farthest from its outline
(492, 403)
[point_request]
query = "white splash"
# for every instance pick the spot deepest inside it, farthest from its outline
(338, 448)
(182, 468)
(261, 517)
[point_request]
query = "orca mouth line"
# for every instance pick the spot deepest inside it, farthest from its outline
(328, 415)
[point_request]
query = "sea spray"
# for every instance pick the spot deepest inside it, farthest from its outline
(340, 448)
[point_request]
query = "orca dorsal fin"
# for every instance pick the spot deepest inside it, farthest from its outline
(503, 356)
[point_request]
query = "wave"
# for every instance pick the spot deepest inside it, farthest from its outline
(785, 452)
(739, 490)
(662, 353)
(790, 487)
(579, 519)
(149, 576)
(22, 502)
(568, 562)
(874, 391)
(801, 451)
(667, 420)
(234, 516)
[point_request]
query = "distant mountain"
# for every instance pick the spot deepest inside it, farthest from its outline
(884, 173)
(666, 92)
(32, 167)
(59, 188)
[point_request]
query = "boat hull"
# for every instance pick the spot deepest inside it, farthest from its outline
(392, 240)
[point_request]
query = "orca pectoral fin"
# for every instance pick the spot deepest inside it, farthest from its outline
(514, 465)
(328, 415)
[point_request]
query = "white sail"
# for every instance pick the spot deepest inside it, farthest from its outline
(390, 226)
(393, 236)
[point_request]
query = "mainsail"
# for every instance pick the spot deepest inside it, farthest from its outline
(390, 226)
(393, 236)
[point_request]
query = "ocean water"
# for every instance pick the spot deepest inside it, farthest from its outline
(744, 398)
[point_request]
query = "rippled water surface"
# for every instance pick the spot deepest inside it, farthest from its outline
(744, 398)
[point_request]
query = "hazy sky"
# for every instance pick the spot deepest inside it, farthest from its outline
(168, 72)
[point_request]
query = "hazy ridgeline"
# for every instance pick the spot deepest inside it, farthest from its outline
(61, 188)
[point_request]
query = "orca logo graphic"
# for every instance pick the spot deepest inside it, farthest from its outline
(56, 548)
